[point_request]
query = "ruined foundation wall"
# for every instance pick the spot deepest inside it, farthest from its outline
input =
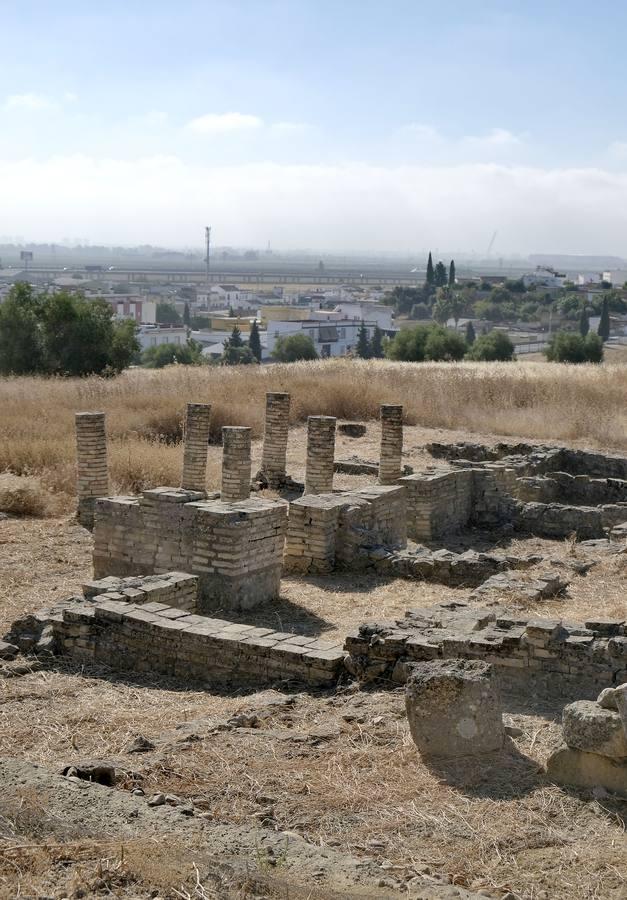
(156, 638)
(589, 657)
(235, 549)
(328, 530)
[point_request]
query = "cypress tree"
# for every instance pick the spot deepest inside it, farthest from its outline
(236, 338)
(186, 315)
(440, 276)
(584, 322)
(604, 323)
(363, 343)
(376, 345)
(470, 333)
(430, 272)
(254, 341)
(451, 274)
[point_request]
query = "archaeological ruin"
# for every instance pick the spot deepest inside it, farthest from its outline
(176, 567)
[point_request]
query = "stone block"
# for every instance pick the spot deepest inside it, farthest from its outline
(454, 708)
(577, 768)
(588, 726)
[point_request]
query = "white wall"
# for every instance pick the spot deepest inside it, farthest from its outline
(346, 335)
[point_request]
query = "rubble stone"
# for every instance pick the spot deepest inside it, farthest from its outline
(588, 726)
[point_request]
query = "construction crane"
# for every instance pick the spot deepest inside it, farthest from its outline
(491, 244)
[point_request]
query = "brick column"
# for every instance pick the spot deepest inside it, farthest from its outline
(320, 454)
(195, 451)
(273, 460)
(391, 444)
(91, 460)
(235, 464)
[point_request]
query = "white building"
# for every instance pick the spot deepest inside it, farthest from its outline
(155, 335)
(616, 277)
(371, 312)
(585, 278)
(221, 296)
(330, 337)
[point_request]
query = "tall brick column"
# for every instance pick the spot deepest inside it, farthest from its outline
(320, 454)
(236, 464)
(195, 451)
(391, 444)
(273, 460)
(91, 460)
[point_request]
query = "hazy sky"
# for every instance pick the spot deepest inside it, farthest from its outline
(345, 124)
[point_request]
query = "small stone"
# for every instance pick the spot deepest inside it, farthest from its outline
(140, 744)
(137, 792)
(157, 800)
(513, 731)
(243, 720)
(8, 651)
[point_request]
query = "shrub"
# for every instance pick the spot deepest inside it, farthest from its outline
(493, 347)
(426, 342)
(22, 495)
(293, 348)
(170, 354)
(573, 348)
(444, 345)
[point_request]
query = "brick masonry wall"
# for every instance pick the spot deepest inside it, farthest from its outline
(589, 656)
(235, 549)
(327, 530)
(156, 638)
(236, 464)
(391, 444)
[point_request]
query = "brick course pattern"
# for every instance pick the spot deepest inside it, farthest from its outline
(274, 456)
(156, 638)
(195, 449)
(235, 549)
(391, 444)
(586, 657)
(329, 530)
(236, 464)
(91, 460)
(320, 454)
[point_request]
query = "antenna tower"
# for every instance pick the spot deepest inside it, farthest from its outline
(208, 253)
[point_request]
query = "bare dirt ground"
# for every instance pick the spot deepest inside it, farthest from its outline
(335, 769)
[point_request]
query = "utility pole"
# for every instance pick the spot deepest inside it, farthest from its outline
(208, 253)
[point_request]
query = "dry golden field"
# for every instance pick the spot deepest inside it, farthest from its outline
(585, 405)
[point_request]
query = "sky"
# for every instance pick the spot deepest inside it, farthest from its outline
(345, 125)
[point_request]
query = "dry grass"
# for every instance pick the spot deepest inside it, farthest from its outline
(583, 404)
(23, 495)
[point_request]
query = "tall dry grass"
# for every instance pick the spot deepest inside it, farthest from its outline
(586, 404)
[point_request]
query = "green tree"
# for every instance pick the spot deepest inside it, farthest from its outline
(125, 348)
(604, 322)
(451, 274)
(430, 279)
(78, 334)
(376, 345)
(470, 333)
(167, 314)
(254, 341)
(491, 347)
(187, 320)
(442, 306)
(294, 347)
(21, 340)
(584, 322)
(440, 276)
(235, 340)
(167, 355)
(423, 342)
(566, 347)
(420, 311)
(238, 356)
(444, 345)
(363, 349)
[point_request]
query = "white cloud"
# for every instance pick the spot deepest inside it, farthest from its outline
(497, 137)
(29, 101)
(429, 142)
(349, 206)
(288, 128)
(222, 123)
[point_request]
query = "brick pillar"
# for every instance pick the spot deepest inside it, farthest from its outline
(391, 444)
(91, 459)
(273, 460)
(195, 451)
(320, 454)
(235, 464)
